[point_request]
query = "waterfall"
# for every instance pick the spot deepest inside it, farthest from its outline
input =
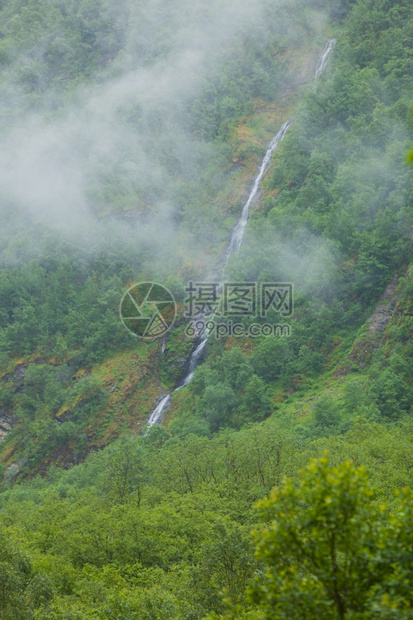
(156, 415)
(193, 362)
(324, 57)
(239, 230)
(234, 245)
(237, 238)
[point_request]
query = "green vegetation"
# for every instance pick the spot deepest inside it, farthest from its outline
(143, 125)
(330, 551)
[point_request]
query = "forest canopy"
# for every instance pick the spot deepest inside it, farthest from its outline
(279, 484)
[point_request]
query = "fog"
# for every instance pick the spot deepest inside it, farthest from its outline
(121, 152)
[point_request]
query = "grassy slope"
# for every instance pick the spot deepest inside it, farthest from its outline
(133, 381)
(349, 360)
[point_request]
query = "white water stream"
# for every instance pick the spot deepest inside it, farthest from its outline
(324, 57)
(237, 238)
(239, 230)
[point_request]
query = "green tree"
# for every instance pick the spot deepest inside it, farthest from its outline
(331, 552)
(126, 470)
(21, 589)
(256, 401)
(218, 403)
(326, 415)
(390, 393)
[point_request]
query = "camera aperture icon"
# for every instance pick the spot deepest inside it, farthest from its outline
(148, 310)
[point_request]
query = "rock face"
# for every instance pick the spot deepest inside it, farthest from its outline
(384, 310)
(6, 425)
(13, 470)
(7, 420)
(19, 375)
(363, 349)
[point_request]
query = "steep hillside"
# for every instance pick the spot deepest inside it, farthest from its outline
(151, 119)
(73, 379)
(335, 220)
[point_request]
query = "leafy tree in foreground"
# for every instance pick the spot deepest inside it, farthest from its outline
(330, 552)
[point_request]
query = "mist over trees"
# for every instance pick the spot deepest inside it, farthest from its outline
(279, 484)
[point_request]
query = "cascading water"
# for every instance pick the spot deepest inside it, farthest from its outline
(156, 415)
(162, 406)
(324, 57)
(193, 362)
(235, 244)
(239, 230)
